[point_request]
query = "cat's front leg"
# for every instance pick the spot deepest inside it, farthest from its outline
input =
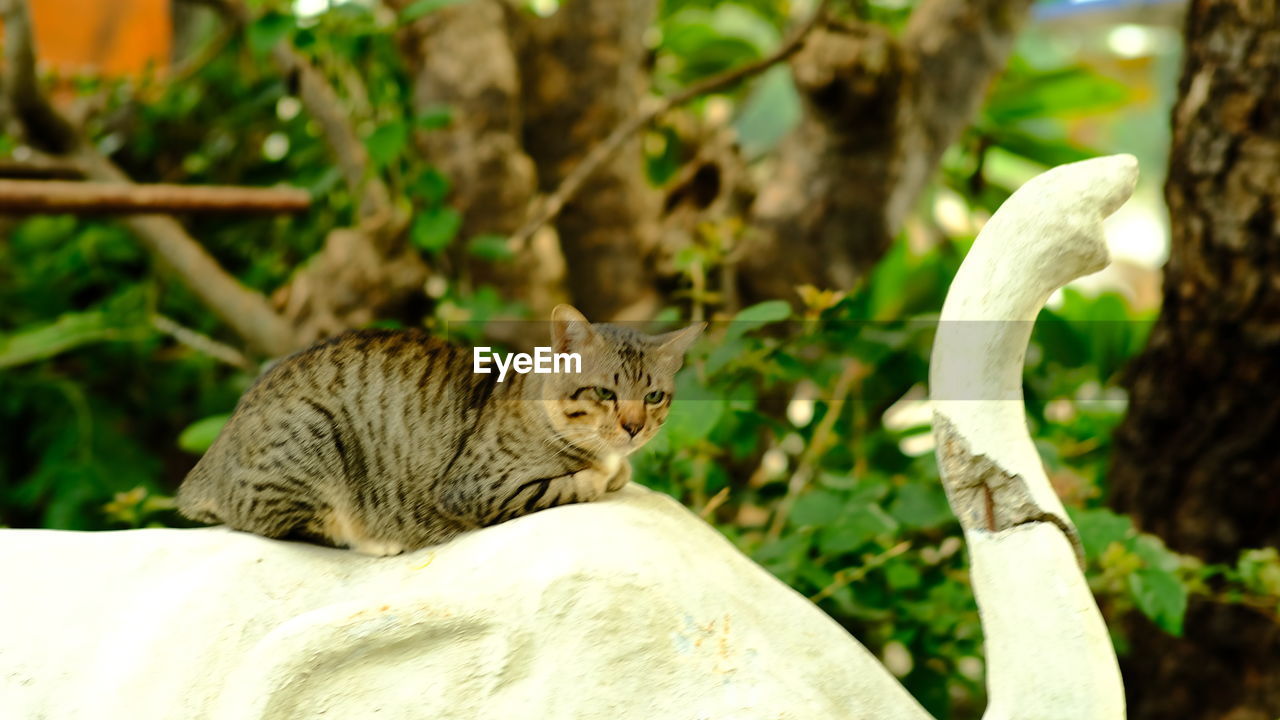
(608, 475)
(620, 478)
(585, 485)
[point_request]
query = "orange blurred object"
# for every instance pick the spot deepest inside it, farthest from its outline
(102, 37)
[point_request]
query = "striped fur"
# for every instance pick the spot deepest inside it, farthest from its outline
(386, 441)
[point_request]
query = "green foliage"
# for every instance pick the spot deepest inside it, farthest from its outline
(797, 431)
(434, 228)
(118, 318)
(706, 41)
(422, 8)
(490, 247)
(200, 435)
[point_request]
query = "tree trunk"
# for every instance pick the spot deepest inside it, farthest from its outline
(585, 74)
(465, 58)
(543, 92)
(1196, 460)
(879, 112)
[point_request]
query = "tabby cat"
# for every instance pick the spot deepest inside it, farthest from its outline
(386, 441)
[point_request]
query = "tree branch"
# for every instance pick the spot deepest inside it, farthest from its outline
(322, 104)
(203, 343)
(57, 196)
(879, 112)
(958, 47)
(548, 208)
(35, 165)
(45, 127)
(245, 311)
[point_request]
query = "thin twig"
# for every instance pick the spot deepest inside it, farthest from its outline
(203, 343)
(550, 206)
(819, 443)
(852, 575)
(714, 503)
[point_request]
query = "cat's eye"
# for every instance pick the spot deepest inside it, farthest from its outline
(654, 397)
(605, 393)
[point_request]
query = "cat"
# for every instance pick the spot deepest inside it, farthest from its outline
(385, 441)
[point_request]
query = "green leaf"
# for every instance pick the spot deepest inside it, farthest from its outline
(741, 21)
(900, 575)
(840, 539)
(854, 528)
(268, 30)
(770, 112)
(434, 229)
(1099, 528)
(709, 41)
(431, 186)
(490, 247)
(783, 556)
(1068, 91)
(757, 316)
(1260, 570)
(1153, 552)
(121, 318)
(694, 412)
(200, 435)
(667, 316)
(1161, 597)
(727, 351)
(387, 142)
(422, 8)
(435, 117)
(921, 506)
(1048, 151)
(817, 508)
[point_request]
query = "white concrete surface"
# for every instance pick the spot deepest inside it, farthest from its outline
(631, 607)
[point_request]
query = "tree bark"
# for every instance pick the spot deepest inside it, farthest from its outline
(584, 74)
(465, 58)
(879, 112)
(1196, 459)
(821, 219)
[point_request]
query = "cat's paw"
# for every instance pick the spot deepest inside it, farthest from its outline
(377, 548)
(620, 478)
(592, 482)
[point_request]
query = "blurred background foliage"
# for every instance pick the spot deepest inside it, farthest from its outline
(802, 433)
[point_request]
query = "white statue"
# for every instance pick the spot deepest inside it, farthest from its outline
(631, 607)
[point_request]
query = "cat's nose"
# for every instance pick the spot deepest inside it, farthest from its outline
(632, 427)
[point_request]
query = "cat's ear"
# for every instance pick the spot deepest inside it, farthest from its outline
(676, 343)
(569, 329)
